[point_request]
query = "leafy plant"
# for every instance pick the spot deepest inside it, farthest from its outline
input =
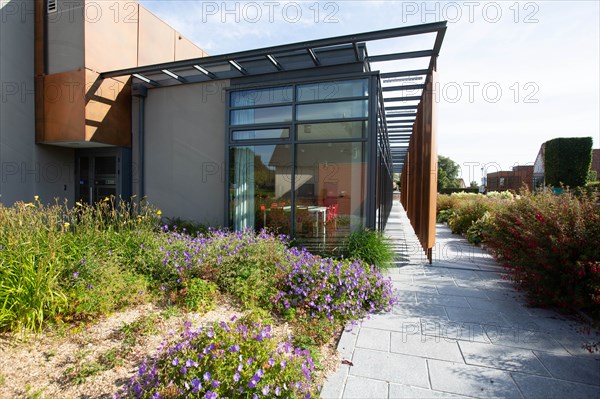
(371, 247)
(200, 295)
(224, 360)
(550, 245)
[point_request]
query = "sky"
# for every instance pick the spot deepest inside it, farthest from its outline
(512, 75)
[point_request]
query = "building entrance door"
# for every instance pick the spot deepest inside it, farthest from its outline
(100, 174)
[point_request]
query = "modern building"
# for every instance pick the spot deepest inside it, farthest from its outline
(513, 180)
(301, 138)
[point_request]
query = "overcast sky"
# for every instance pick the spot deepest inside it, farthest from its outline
(512, 74)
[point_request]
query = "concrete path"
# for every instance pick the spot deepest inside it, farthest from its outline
(460, 330)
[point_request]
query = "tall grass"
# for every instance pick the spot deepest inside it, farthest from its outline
(371, 247)
(55, 260)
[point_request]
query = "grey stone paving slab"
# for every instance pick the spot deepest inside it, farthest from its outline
(392, 322)
(334, 387)
(405, 297)
(370, 338)
(446, 289)
(391, 367)
(425, 346)
(525, 339)
(473, 332)
(576, 344)
(420, 310)
(479, 382)
(365, 388)
(347, 342)
(477, 316)
(535, 387)
(405, 392)
(502, 357)
(506, 307)
(572, 368)
(414, 287)
(444, 300)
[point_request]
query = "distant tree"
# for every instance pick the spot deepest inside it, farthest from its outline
(473, 184)
(447, 173)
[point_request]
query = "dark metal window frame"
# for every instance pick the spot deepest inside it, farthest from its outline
(368, 141)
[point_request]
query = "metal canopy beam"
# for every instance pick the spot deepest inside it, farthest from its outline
(400, 99)
(399, 107)
(404, 87)
(401, 74)
(401, 56)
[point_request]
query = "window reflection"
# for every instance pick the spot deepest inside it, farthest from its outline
(332, 90)
(330, 189)
(260, 187)
(338, 110)
(257, 116)
(332, 130)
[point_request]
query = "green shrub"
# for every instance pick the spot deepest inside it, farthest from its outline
(550, 245)
(445, 202)
(477, 231)
(467, 213)
(200, 295)
(371, 247)
(567, 161)
(445, 215)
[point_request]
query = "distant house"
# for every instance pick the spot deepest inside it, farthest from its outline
(514, 180)
(538, 168)
(596, 162)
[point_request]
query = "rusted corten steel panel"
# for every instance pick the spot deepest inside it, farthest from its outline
(419, 176)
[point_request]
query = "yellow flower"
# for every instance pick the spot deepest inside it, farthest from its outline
(78, 204)
(35, 197)
(29, 204)
(105, 199)
(159, 212)
(67, 224)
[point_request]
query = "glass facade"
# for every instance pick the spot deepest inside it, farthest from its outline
(299, 160)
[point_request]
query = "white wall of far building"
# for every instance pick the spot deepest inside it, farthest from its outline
(26, 169)
(184, 151)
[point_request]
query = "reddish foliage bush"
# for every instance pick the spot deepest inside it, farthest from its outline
(550, 246)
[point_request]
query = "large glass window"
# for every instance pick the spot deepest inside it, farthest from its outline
(260, 187)
(326, 137)
(271, 95)
(337, 110)
(330, 190)
(332, 130)
(260, 134)
(256, 116)
(332, 90)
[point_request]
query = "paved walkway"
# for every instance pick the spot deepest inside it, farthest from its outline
(460, 330)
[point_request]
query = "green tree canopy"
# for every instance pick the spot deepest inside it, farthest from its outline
(447, 173)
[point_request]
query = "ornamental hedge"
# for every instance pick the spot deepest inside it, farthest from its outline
(567, 161)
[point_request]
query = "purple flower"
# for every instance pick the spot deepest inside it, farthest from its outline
(196, 385)
(234, 348)
(175, 361)
(211, 395)
(252, 383)
(207, 376)
(215, 384)
(75, 274)
(265, 390)
(236, 377)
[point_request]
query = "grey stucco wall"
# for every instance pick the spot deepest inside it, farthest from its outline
(66, 35)
(185, 151)
(26, 169)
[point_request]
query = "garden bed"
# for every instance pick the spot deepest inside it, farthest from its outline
(95, 360)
